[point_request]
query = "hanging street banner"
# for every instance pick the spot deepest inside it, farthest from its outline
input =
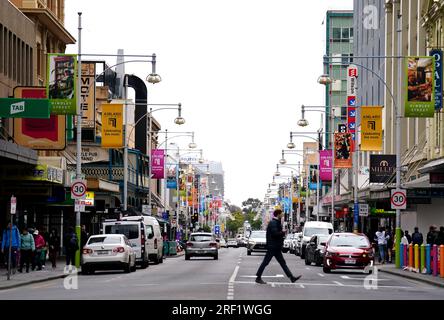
(437, 54)
(313, 179)
(112, 125)
(351, 116)
(420, 101)
(88, 95)
(371, 128)
(343, 152)
(39, 134)
(157, 163)
(382, 167)
(352, 75)
(325, 165)
(172, 175)
(24, 108)
(61, 86)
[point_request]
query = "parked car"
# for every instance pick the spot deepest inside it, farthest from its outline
(293, 243)
(311, 228)
(257, 241)
(315, 250)
(348, 251)
(137, 235)
(108, 252)
(241, 241)
(232, 242)
(202, 244)
(298, 243)
(287, 243)
(154, 237)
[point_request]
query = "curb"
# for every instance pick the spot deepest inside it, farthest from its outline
(32, 282)
(406, 275)
(175, 256)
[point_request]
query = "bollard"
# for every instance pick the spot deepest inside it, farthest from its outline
(405, 255)
(416, 257)
(422, 262)
(441, 263)
(401, 256)
(410, 256)
(428, 259)
(435, 260)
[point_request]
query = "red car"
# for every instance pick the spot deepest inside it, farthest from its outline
(348, 251)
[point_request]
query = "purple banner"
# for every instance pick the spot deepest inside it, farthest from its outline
(325, 165)
(157, 163)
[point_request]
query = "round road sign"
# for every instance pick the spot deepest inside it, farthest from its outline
(398, 199)
(78, 189)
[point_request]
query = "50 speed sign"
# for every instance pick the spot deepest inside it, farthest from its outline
(398, 199)
(78, 189)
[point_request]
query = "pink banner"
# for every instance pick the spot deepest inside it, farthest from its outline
(325, 165)
(157, 163)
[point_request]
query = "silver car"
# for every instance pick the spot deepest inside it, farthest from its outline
(202, 244)
(257, 241)
(108, 252)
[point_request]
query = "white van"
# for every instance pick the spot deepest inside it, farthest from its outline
(311, 228)
(136, 233)
(154, 236)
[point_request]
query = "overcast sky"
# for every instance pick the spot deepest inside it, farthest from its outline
(240, 68)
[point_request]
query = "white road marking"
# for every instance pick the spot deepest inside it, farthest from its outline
(230, 294)
(321, 275)
(362, 279)
(302, 286)
(233, 276)
(329, 285)
(308, 268)
(276, 276)
(338, 283)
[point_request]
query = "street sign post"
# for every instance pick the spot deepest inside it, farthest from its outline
(398, 199)
(217, 229)
(78, 189)
(13, 204)
(79, 205)
(363, 210)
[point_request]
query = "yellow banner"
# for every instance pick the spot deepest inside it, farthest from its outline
(371, 128)
(112, 125)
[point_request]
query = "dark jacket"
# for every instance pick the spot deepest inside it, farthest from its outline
(83, 238)
(53, 242)
(70, 242)
(417, 238)
(432, 237)
(275, 235)
(440, 238)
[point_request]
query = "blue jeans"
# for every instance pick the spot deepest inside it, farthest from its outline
(381, 248)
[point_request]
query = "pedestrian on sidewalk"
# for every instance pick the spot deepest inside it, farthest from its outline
(408, 236)
(71, 246)
(40, 244)
(390, 242)
(27, 247)
(275, 241)
(405, 239)
(440, 237)
(381, 239)
(417, 237)
(53, 245)
(13, 234)
(432, 235)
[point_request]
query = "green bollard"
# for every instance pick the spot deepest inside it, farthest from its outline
(398, 248)
(78, 252)
(422, 258)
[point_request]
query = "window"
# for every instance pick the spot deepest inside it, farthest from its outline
(39, 59)
(131, 231)
(336, 34)
(105, 240)
(343, 34)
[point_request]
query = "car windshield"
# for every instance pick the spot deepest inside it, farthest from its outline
(353, 241)
(201, 238)
(105, 240)
(308, 232)
(323, 239)
(258, 234)
(131, 231)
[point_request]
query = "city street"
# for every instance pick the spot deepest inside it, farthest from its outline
(230, 277)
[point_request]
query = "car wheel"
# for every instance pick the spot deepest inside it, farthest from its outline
(187, 257)
(248, 252)
(85, 270)
(145, 263)
(133, 268)
(284, 250)
(216, 257)
(302, 254)
(161, 259)
(326, 270)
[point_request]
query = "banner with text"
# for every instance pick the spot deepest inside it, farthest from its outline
(371, 128)
(343, 152)
(382, 168)
(420, 98)
(437, 54)
(157, 163)
(112, 125)
(325, 165)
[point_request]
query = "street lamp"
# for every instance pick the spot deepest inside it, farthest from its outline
(325, 79)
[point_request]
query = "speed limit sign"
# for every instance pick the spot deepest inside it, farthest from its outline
(78, 189)
(398, 199)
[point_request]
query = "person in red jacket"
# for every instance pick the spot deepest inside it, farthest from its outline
(40, 244)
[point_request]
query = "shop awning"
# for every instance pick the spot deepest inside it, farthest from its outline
(15, 152)
(432, 166)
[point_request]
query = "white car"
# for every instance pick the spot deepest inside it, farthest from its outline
(287, 243)
(223, 243)
(108, 252)
(310, 229)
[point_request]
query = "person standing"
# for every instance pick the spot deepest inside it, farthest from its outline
(440, 237)
(408, 236)
(381, 239)
(417, 237)
(40, 244)
(83, 236)
(71, 246)
(275, 241)
(27, 246)
(9, 234)
(431, 235)
(53, 244)
(390, 243)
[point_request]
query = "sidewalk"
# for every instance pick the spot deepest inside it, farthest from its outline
(179, 254)
(21, 279)
(430, 279)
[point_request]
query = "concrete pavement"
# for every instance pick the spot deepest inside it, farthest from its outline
(430, 279)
